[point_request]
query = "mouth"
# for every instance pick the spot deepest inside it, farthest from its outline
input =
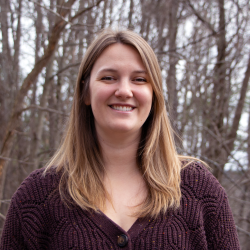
(121, 107)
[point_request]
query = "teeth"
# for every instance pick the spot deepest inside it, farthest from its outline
(122, 108)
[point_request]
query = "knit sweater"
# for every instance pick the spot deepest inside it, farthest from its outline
(38, 219)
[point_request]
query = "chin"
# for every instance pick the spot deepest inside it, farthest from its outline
(123, 128)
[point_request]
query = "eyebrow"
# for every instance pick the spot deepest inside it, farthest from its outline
(114, 70)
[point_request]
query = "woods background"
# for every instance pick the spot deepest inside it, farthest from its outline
(203, 47)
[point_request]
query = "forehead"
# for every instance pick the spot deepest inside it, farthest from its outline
(119, 54)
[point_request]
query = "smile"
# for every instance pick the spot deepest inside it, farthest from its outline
(121, 108)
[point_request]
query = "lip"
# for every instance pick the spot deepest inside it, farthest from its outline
(122, 105)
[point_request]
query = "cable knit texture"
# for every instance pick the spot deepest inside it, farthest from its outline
(38, 219)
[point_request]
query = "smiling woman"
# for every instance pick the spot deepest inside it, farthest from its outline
(120, 93)
(117, 180)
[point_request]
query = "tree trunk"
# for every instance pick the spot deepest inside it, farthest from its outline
(104, 15)
(28, 81)
(7, 90)
(248, 141)
(218, 99)
(33, 120)
(130, 15)
(239, 108)
(173, 59)
(172, 102)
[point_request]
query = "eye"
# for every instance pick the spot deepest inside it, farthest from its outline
(140, 79)
(107, 78)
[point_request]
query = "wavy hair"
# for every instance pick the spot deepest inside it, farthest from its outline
(79, 158)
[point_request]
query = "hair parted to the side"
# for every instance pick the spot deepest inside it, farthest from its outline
(79, 157)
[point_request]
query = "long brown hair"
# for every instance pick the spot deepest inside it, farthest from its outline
(79, 157)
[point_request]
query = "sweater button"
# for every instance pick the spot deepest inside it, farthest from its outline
(122, 240)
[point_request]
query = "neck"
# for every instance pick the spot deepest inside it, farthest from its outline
(122, 176)
(119, 153)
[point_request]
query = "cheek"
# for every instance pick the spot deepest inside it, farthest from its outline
(145, 97)
(99, 97)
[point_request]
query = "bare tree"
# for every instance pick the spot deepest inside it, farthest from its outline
(202, 48)
(57, 29)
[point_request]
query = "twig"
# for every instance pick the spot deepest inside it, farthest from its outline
(50, 10)
(220, 168)
(5, 201)
(237, 199)
(74, 17)
(242, 230)
(62, 70)
(198, 40)
(44, 109)
(84, 10)
(20, 161)
(218, 137)
(201, 18)
(2, 216)
(186, 45)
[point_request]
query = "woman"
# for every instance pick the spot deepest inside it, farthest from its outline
(117, 180)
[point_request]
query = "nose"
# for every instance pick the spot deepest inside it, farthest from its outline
(124, 90)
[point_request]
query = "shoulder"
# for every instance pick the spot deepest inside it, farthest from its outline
(205, 207)
(35, 208)
(37, 186)
(198, 179)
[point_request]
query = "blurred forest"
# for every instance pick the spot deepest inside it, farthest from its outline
(203, 47)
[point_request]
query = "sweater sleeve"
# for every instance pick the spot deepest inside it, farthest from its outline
(218, 221)
(12, 231)
(220, 228)
(27, 215)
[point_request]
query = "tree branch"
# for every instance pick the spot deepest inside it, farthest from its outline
(20, 161)
(85, 10)
(64, 69)
(217, 165)
(44, 109)
(233, 133)
(234, 198)
(242, 230)
(203, 20)
(50, 10)
(2, 216)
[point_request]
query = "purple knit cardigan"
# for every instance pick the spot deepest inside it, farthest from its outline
(38, 219)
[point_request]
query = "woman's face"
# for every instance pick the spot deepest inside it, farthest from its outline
(120, 92)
